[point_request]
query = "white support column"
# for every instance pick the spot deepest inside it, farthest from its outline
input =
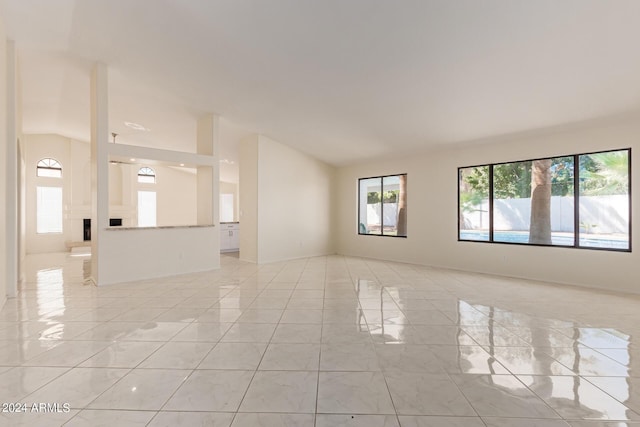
(3, 162)
(99, 164)
(207, 135)
(208, 181)
(204, 193)
(208, 177)
(11, 196)
(248, 188)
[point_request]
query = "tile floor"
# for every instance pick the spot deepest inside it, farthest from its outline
(326, 341)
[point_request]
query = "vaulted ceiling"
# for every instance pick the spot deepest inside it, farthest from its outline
(341, 80)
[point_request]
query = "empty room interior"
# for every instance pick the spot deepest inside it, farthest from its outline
(319, 213)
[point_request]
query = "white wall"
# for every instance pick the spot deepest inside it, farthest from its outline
(22, 229)
(248, 153)
(22, 195)
(294, 203)
(3, 162)
(38, 147)
(77, 184)
(183, 198)
(137, 254)
(175, 188)
(13, 124)
(432, 212)
(285, 203)
(74, 157)
(176, 195)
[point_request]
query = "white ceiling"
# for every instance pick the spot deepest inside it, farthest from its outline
(341, 80)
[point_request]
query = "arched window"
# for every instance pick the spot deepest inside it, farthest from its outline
(49, 168)
(147, 175)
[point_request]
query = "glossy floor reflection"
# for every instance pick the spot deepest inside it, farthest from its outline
(326, 341)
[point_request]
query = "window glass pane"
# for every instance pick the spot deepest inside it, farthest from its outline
(395, 188)
(49, 168)
(533, 202)
(370, 206)
(146, 208)
(562, 201)
(604, 200)
(511, 202)
(473, 212)
(50, 173)
(394, 207)
(145, 179)
(226, 207)
(49, 210)
(146, 175)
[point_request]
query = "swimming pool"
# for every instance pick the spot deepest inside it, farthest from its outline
(557, 239)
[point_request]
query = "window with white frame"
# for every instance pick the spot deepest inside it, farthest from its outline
(146, 175)
(49, 168)
(49, 210)
(226, 207)
(146, 208)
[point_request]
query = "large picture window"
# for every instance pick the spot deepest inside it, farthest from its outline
(581, 200)
(382, 206)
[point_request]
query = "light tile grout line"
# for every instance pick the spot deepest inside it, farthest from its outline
(324, 293)
(193, 370)
(386, 383)
(378, 267)
(254, 373)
